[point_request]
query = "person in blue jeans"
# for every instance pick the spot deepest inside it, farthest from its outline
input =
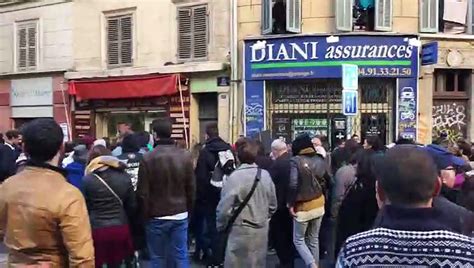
(166, 190)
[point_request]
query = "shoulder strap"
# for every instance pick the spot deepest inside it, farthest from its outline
(245, 202)
(108, 187)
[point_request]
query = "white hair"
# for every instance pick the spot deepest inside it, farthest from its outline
(279, 145)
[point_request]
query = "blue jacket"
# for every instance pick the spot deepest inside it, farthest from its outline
(75, 173)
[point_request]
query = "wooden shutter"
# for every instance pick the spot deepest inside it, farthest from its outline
(344, 15)
(184, 34)
(32, 46)
(293, 16)
(429, 13)
(119, 40)
(27, 46)
(22, 48)
(200, 32)
(126, 40)
(113, 41)
(267, 18)
(383, 15)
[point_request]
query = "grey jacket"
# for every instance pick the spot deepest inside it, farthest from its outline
(261, 206)
(344, 178)
(252, 223)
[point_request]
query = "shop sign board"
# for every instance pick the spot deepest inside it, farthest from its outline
(350, 76)
(407, 108)
(254, 108)
(306, 57)
(31, 92)
(349, 102)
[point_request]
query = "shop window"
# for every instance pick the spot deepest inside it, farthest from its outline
(27, 45)
(364, 15)
(452, 82)
(446, 16)
(193, 33)
(281, 16)
(119, 40)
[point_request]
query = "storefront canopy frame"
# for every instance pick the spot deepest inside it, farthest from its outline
(125, 87)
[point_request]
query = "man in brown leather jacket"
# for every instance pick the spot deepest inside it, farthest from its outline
(166, 191)
(43, 218)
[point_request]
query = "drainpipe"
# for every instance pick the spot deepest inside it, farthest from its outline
(234, 86)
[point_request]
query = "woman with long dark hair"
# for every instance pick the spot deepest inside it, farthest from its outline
(359, 206)
(111, 202)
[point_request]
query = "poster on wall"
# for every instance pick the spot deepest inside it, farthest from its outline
(407, 108)
(311, 126)
(254, 108)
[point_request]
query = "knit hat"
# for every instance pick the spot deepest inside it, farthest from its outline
(80, 153)
(443, 158)
(302, 141)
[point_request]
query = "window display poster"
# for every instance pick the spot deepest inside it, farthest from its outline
(311, 126)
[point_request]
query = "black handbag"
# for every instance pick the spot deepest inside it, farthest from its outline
(222, 236)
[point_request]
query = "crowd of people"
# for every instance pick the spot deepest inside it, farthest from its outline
(88, 204)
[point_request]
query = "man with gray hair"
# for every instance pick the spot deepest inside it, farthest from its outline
(281, 224)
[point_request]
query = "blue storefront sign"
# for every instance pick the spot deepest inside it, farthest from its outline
(312, 57)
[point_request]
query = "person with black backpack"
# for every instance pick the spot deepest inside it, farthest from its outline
(215, 163)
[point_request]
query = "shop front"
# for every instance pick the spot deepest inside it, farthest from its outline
(35, 96)
(101, 105)
(294, 84)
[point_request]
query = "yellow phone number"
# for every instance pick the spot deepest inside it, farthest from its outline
(372, 71)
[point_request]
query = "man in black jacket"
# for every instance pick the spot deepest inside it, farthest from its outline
(208, 196)
(166, 189)
(9, 152)
(281, 224)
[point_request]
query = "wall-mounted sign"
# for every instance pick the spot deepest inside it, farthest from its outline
(31, 92)
(313, 57)
(350, 76)
(349, 102)
(407, 108)
(429, 53)
(223, 81)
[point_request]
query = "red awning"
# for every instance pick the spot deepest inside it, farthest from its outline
(124, 87)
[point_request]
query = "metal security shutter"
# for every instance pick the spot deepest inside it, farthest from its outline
(344, 15)
(293, 15)
(200, 32)
(193, 33)
(119, 41)
(267, 19)
(429, 14)
(27, 46)
(383, 15)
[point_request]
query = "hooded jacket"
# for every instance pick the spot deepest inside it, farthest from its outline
(105, 209)
(206, 193)
(75, 170)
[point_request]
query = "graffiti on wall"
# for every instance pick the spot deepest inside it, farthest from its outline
(450, 119)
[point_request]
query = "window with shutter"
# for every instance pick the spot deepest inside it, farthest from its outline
(193, 33)
(267, 18)
(429, 14)
(383, 15)
(27, 45)
(293, 15)
(120, 41)
(344, 15)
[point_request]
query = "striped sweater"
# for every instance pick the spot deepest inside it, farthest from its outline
(414, 238)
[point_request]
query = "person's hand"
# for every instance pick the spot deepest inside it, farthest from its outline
(292, 211)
